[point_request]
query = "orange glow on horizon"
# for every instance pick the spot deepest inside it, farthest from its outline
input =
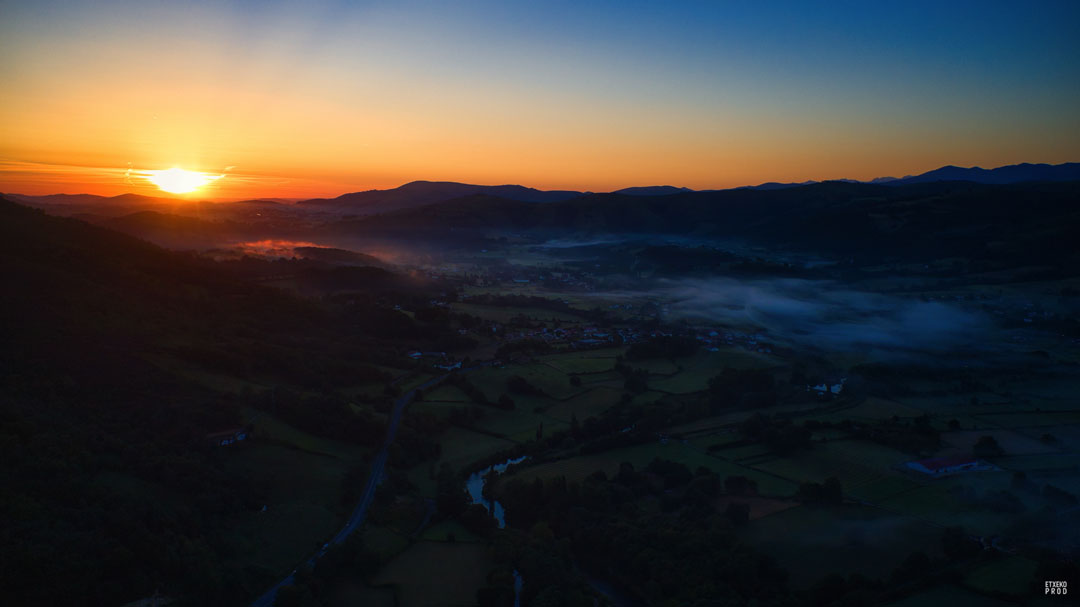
(321, 99)
(180, 181)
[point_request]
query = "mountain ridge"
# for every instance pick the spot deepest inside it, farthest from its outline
(422, 192)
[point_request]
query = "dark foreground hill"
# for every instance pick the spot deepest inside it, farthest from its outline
(110, 491)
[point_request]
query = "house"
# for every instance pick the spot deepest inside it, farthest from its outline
(827, 388)
(229, 437)
(945, 466)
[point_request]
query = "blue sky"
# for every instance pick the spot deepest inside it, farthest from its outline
(585, 94)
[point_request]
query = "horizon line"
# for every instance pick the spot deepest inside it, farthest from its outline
(180, 198)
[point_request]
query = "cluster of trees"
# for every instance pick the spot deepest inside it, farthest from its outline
(987, 446)
(687, 553)
(1056, 496)
(117, 494)
(519, 385)
(916, 435)
(779, 434)
(416, 440)
(346, 562)
(465, 385)
(635, 381)
(829, 492)
(326, 415)
(742, 388)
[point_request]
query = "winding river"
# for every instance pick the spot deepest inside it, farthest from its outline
(475, 486)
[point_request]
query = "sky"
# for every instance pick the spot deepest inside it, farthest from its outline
(322, 98)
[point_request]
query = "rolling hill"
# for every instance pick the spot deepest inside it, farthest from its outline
(1025, 223)
(421, 193)
(1016, 173)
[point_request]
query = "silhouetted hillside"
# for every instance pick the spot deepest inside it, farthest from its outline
(1016, 173)
(776, 185)
(92, 199)
(110, 492)
(420, 193)
(655, 190)
(1024, 223)
(336, 256)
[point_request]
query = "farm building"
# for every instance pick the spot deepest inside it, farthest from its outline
(945, 466)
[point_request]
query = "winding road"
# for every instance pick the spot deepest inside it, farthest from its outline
(378, 466)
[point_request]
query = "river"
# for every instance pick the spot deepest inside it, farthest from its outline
(475, 486)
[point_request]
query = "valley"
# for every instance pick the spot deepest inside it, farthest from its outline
(689, 413)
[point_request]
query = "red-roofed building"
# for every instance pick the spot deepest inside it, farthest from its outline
(944, 466)
(229, 437)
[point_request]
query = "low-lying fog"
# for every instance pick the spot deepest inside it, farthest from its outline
(824, 314)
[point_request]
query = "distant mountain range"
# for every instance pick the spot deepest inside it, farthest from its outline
(125, 200)
(422, 193)
(1014, 173)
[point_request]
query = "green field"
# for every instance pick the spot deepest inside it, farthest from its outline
(882, 488)
(519, 425)
(269, 428)
(581, 362)
(744, 453)
(383, 540)
(447, 574)
(199, 375)
(461, 447)
(443, 531)
(577, 468)
(692, 374)
(554, 383)
(1012, 575)
(350, 595)
(446, 393)
(686, 381)
(813, 466)
(656, 366)
(585, 405)
(304, 506)
(948, 596)
(1032, 419)
(870, 409)
(504, 314)
(812, 542)
(1014, 443)
(940, 504)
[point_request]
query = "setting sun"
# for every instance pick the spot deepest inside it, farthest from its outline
(180, 181)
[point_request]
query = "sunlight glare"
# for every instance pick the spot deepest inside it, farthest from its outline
(180, 181)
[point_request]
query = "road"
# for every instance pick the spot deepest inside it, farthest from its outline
(378, 466)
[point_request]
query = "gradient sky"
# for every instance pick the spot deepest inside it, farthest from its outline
(321, 98)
